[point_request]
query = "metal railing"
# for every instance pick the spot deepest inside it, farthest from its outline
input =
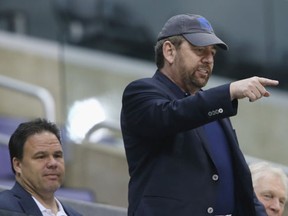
(36, 91)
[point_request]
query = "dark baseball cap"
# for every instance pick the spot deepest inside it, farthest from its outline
(194, 28)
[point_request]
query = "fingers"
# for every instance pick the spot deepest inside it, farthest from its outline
(253, 88)
(267, 82)
(260, 85)
(254, 93)
(257, 89)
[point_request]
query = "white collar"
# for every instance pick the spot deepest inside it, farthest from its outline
(46, 211)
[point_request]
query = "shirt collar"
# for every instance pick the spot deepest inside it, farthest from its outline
(42, 208)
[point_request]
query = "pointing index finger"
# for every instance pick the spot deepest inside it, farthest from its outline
(268, 82)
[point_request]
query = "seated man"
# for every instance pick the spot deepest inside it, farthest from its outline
(270, 186)
(37, 160)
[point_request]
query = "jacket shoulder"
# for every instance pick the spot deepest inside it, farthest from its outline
(70, 211)
(7, 200)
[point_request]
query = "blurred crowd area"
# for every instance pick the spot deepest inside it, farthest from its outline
(255, 31)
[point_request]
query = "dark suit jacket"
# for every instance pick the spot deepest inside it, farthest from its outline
(18, 200)
(171, 169)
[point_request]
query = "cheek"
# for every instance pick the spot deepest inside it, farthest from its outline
(212, 66)
(263, 201)
(61, 164)
(30, 172)
(266, 204)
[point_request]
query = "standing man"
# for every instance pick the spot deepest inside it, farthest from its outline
(37, 160)
(271, 187)
(182, 152)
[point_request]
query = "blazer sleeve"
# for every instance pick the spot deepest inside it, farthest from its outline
(147, 104)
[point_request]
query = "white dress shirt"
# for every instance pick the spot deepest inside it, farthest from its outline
(48, 212)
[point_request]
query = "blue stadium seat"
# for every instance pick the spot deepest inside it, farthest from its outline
(5, 166)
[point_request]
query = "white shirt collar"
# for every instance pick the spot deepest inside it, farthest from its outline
(48, 212)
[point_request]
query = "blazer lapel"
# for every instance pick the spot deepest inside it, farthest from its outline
(229, 132)
(201, 133)
(230, 135)
(233, 143)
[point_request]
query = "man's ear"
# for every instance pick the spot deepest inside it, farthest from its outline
(169, 51)
(16, 165)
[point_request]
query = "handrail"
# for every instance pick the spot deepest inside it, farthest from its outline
(39, 92)
(104, 124)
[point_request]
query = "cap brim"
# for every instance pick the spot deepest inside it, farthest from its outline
(205, 39)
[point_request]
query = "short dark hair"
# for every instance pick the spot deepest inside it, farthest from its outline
(159, 58)
(25, 130)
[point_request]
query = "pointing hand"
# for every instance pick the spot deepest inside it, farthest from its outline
(252, 88)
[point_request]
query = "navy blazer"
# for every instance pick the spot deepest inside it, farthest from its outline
(170, 166)
(18, 200)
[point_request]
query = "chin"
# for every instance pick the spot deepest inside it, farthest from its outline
(53, 188)
(201, 85)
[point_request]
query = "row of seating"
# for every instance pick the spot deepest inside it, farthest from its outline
(84, 207)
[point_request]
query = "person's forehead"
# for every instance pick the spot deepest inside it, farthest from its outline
(272, 183)
(43, 140)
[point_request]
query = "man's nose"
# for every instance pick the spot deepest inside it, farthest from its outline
(275, 205)
(51, 161)
(208, 58)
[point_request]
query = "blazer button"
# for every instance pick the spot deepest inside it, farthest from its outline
(215, 177)
(210, 210)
